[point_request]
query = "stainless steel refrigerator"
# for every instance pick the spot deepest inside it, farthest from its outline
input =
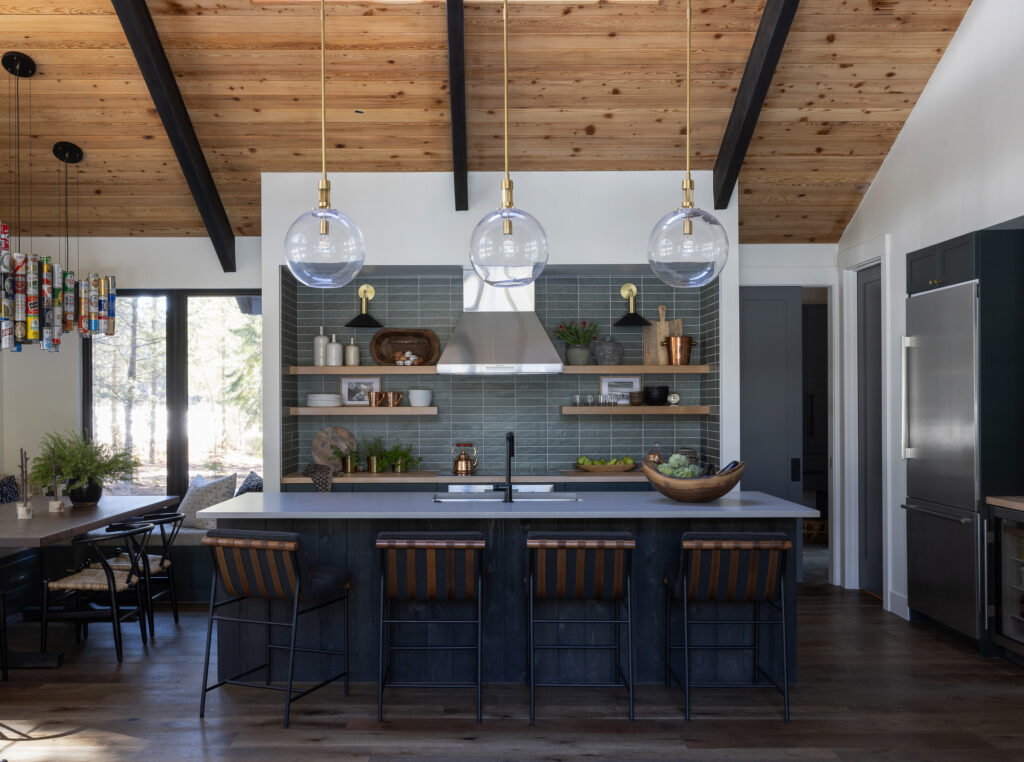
(940, 444)
(963, 419)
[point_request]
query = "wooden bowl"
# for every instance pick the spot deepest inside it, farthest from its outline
(700, 490)
(422, 342)
(607, 469)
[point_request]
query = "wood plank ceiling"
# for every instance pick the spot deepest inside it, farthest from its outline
(596, 86)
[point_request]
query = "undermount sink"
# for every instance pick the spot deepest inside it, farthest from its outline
(497, 497)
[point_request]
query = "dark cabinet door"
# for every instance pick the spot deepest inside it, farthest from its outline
(957, 261)
(923, 270)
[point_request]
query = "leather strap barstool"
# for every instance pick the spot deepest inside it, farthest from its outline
(728, 567)
(253, 565)
(428, 567)
(581, 566)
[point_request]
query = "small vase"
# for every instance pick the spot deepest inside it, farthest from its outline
(371, 464)
(578, 354)
(607, 351)
(87, 494)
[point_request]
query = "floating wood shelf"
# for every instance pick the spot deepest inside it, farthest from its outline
(363, 370)
(431, 370)
(365, 477)
(362, 410)
(637, 410)
(620, 370)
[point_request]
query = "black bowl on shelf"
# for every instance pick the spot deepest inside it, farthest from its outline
(655, 395)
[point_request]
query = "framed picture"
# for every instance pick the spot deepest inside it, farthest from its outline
(619, 387)
(357, 390)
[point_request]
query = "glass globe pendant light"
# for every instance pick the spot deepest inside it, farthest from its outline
(509, 246)
(688, 247)
(324, 248)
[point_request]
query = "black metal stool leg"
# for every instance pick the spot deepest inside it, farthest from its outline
(686, 651)
(346, 644)
(209, 639)
(147, 611)
(115, 618)
(668, 636)
(270, 651)
(757, 641)
(142, 609)
(291, 659)
(785, 647)
(629, 640)
(44, 616)
(532, 666)
(380, 648)
(479, 645)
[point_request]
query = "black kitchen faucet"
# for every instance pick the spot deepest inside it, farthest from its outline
(510, 452)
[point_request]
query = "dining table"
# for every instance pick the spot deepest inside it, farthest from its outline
(48, 527)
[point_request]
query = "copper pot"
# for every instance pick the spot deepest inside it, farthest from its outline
(678, 349)
(464, 461)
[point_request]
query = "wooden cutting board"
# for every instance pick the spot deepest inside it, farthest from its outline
(654, 353)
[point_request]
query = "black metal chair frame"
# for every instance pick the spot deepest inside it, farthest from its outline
(166, 576)
(684, 682)
(385, 646)
(136, 537)
(291, 694)
(616, 620)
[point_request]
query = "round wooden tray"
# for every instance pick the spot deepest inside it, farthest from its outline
(606, 468)
(422, 342)
(338, 436)
(700, 490)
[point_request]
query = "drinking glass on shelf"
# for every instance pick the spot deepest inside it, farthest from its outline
(590, 399)
(577, 400)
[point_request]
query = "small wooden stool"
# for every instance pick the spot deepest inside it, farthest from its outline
(581, 566)
(428, 566)
(728, 567)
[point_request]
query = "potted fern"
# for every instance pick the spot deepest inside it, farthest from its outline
(400, 458)
(85, 465)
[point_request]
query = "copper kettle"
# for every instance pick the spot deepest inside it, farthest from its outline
(464, 460)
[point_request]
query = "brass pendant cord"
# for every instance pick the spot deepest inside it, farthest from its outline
(506, 184)
(688, 184)
(323, 90)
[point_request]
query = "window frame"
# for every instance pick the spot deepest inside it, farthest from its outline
(176, 348)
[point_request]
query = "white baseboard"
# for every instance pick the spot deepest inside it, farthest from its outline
(898, 605)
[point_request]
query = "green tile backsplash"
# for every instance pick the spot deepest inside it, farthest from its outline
(481, 409)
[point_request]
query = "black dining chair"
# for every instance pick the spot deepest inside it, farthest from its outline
(103, 582)
(157, 569)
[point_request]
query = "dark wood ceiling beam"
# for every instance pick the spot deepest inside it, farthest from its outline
(746, 108)
(156, 71)
(457, 95)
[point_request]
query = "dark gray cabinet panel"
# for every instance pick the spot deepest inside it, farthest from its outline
(944, 264)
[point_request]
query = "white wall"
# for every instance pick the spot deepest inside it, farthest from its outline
(957, 166)
(41, 390)
(410, 219)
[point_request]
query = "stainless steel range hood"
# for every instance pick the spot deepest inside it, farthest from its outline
(498, 333)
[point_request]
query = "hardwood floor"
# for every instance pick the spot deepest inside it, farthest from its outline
(872, 686)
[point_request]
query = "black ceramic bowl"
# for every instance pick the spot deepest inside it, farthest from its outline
(656, 395)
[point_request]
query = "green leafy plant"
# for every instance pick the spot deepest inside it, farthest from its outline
(373, 448)
(80, 460)
(400, 454)
(578, 334)
(340, 455)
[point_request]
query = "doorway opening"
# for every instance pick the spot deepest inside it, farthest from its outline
(785, 398)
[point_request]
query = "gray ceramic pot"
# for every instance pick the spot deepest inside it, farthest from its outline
(578, 354)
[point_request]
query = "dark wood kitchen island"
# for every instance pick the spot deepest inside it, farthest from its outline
(339, 529)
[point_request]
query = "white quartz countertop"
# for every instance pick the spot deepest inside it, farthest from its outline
(420, 505)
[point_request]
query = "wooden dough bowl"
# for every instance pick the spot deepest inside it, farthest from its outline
(422, 342)
(700, 490)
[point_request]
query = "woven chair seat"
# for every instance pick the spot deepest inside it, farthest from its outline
(124, 563)
(92, 580)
